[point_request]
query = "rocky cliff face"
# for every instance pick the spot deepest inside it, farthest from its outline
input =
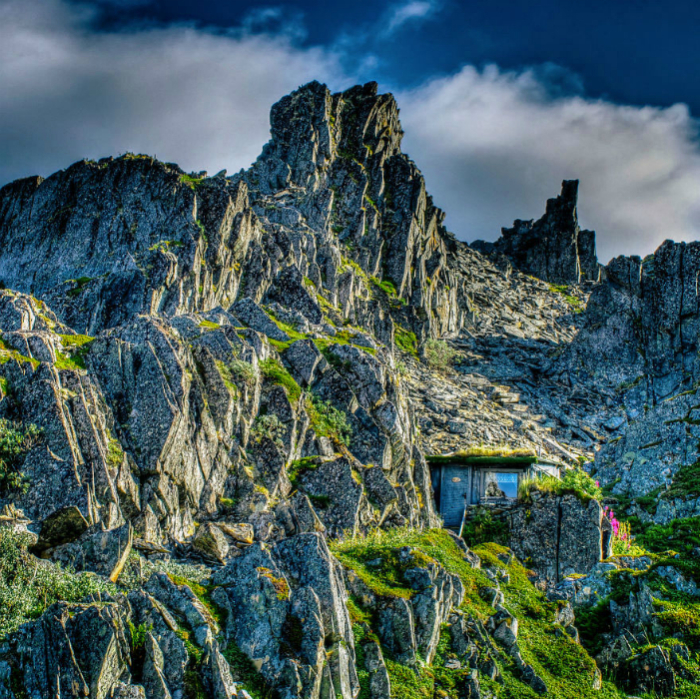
(205, 380)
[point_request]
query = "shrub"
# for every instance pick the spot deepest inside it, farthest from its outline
(328, 421)
(268, 427)
(29, 586)
(16, 440)
(438, 354)
(243, 372)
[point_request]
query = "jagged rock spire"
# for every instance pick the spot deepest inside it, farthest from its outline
(554, 248)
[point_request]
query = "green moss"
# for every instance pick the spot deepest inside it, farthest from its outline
(566, 667)
(280, 585)
(204, 594)
(16, 440)
(80, 284)
(115, 453)
(576, 304)
(244, 672)
(77, 347)
(208, 325)
(273, 371)
(297, 468)
(9, 353)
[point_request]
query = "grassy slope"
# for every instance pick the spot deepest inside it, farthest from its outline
(565, 666)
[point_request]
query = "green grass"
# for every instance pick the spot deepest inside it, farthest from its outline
(486, 455)
(190, 181)
(574, 482)
(28, 588)
(406, 341)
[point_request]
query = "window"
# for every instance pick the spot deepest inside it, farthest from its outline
(501, 485)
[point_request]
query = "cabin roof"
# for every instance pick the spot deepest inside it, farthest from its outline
(483, 456)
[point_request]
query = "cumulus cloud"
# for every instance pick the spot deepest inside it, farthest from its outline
(495, 145)
(194, 96)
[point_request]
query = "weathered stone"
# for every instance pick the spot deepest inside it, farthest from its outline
(210, 541)
(61, 527)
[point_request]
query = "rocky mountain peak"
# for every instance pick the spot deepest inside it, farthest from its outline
(553, 248)
(227, 398)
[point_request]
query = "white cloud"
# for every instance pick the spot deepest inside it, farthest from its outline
(495, 145)
(399, 15)
(193, 96)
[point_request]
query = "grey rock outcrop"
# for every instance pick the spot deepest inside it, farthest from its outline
(554, 248)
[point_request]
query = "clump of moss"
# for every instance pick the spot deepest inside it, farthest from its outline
(16, 439)
(278, 583)
(244, 672)
(77, 347)
(685, 483)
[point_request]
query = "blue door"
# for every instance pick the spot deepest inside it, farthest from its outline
(455, 485)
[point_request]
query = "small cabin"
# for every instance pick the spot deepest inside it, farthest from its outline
(477, 478)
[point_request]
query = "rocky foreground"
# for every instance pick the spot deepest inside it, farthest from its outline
(218, 395)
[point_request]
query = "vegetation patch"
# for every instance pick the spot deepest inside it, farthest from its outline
(244, 672)
(685, 483)
(575, 482)
(274, 372)
(406, 341)
(191, 181)
(28, 587)
(16, 439)
(278, 583)
(438, 354)
(8, 352)
(562, 289)
(328, 421)
(77, 347)
(483, 528)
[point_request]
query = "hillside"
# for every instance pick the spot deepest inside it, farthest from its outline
(219, 396)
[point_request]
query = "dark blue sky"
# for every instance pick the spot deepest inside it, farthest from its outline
(631, 51)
